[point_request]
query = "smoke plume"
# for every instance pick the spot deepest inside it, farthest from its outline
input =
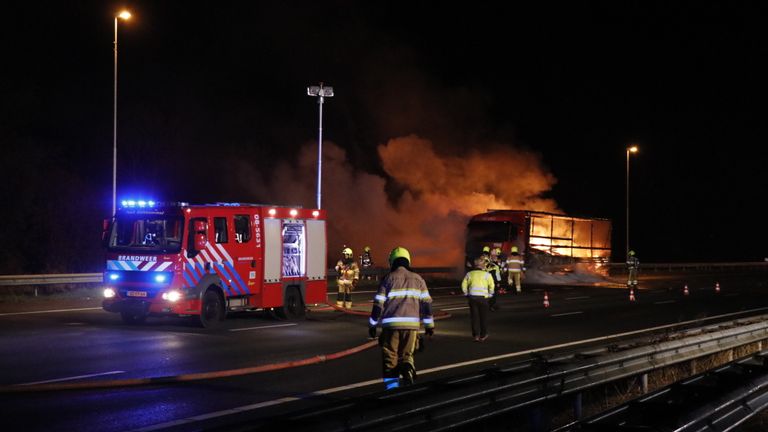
(437, 195)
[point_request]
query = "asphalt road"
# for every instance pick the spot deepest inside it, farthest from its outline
(46, 344)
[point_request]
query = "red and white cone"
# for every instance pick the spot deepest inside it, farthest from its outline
(631, 294)
(685, 290)
(546, 300)
(717, 287)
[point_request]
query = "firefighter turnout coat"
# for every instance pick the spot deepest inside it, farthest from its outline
(402, 302)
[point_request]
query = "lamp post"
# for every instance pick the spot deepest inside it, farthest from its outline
(631, 149)
(321, 92)
(124, 15)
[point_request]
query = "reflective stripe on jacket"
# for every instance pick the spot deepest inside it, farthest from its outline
(515, 264)
(478, 283)
(402, 302)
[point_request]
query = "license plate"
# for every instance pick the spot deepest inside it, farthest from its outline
(137, 293)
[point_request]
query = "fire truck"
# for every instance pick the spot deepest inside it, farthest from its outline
(202, 261)
(547, 241)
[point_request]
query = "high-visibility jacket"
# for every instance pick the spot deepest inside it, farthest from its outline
(348, 271)
(402, 302)
(633, 263)
(515, 264)
(478, 283)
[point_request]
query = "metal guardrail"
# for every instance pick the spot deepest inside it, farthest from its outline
(716, 400)
(464, 401)
(78, 278)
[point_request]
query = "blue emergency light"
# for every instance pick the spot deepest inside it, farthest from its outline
(138, 203)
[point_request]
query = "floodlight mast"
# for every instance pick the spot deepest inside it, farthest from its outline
(321, 92)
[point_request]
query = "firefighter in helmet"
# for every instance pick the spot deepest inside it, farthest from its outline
(366, 261)
(478, 287)
(515, 269)
(632, 265)
(348, 276)
(402, 304)
(499, 264)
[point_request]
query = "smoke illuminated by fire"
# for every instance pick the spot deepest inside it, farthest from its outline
(429, 217)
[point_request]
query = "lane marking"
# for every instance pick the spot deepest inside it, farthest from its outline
(567, 313)
(72, 378)
(49, 311)
(262, 327)
(665, 302)
(577, 298)
(455, 308)
(425, 372)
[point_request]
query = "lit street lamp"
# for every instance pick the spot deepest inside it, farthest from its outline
(124, 15)
(632, 149)
(321, 92)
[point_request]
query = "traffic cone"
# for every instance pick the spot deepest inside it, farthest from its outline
(631, 294)
(717, 287)
(685, 290)
(546, 300)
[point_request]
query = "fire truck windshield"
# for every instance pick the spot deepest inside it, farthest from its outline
(146, 233)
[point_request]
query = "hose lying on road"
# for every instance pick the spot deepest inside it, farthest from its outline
(174, 379)
(132, 382)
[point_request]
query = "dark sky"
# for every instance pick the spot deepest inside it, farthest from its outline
(212, 98)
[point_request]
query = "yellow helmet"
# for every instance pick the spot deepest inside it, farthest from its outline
(631, 253)
(486, 249)
(367, 249)
(513, 249)
(497, 251)
(399, 252)
(347, 252)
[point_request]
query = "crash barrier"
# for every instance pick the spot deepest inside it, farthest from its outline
(465, 402)
(82, 278)
(726, 396)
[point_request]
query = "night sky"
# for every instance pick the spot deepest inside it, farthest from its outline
(439, 112)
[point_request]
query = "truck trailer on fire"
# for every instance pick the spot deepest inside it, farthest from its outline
(547, 241)
(202, 261)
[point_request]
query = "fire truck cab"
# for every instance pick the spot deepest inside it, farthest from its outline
(202, 261)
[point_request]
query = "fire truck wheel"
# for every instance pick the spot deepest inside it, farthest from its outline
(293, 306)
(212, 313)
(133, 318)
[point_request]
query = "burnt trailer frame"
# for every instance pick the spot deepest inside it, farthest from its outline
(546, 240)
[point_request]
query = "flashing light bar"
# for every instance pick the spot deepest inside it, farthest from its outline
(132, 203)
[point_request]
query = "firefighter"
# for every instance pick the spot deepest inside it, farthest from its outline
(402, 304)
(348, 276)
(478, 287)
(515, 269)
(495, 268)
(632, 265)
(366, 261)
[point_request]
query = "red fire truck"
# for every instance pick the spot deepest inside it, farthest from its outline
(547, 241)
(177, 259)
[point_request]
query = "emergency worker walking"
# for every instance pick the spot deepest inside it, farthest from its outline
(348, 276)
(515, 269)
(402, 304)
(366, 261)
(632, 265)
(478, 287)
(495, 267)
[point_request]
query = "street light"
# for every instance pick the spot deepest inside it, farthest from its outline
(321, 92)
(631, 149)
(124, 15)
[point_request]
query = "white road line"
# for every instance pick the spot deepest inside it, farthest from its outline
(72, 378)
(567, 313)
(49, 311)
(665, 302)
(577, 298)
(425, 372)
(456, 308)
(261, 327)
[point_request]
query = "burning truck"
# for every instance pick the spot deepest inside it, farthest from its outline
(546, 241)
